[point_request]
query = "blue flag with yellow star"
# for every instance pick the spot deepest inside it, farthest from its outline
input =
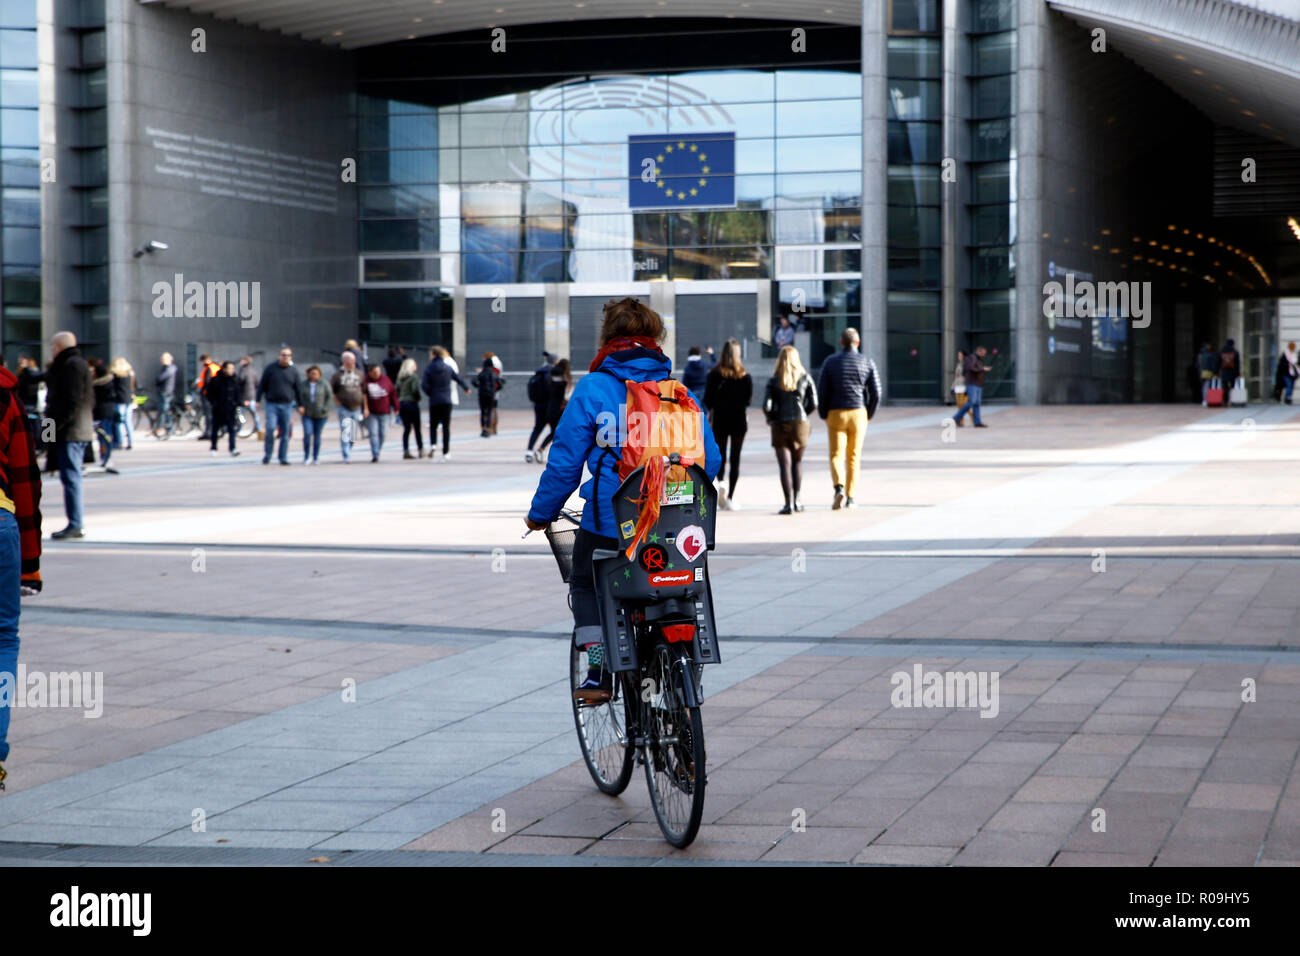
(675, 171)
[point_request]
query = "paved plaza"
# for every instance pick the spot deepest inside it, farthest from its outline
(1130, 573)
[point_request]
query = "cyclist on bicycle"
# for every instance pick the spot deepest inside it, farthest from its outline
(630, 334)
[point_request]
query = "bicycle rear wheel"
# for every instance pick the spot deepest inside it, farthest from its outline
(602, 730)
(675, 759)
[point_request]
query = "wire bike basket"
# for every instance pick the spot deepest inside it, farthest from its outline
(561, 535)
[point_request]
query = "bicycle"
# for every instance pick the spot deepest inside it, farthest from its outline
(245, 421)
(659, 629)
(181, 417)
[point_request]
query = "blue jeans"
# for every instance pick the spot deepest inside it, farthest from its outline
(1290, 387)
(123, 431)
(312, 429)
(10, 573)
(349, 428)
(378, 432)
(72, 455)
(973, 394)
(279, 415)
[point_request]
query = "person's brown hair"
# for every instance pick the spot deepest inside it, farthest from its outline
(628, 317)
(729, 365)
(561, 369)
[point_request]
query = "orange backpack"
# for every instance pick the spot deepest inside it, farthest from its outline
(660, 419)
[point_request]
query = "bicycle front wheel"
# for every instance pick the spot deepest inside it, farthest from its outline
(602, 730)
(675, 759)
(245, 420)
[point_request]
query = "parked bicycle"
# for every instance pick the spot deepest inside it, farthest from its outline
(659, 630)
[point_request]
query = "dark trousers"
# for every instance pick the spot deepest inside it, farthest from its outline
(440, 415)
(485, 405)
(539, 422)
(734, 439)
(229, 425)
(582, 579)
(410, 412)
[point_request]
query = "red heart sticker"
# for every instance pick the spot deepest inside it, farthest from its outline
(691, 542)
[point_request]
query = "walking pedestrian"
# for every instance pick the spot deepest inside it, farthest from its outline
(351, 346)
(104, 412)
(784, 333)
(959, 380)
(789, 400)
(695, 374)
(123, 403)
(558, 389)
(207, 368)
(248, 379)
(278, 393)
(1229, 367)
(488, 382)
(408, 398)
(314, 406)
(393, 363)
(973, 369)
(1209, 371)
(539, 391)
(20, 534)
(437, 383)
(728, 391)
(70, 404)
(381, 402)
(849, 391)
(225, 394)
(165, 382)
(1288, 370)
(349, 389)
(30, 377)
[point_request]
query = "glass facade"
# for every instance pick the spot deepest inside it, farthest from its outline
(89, 178)
(534, 186)
(20, 179)
(914, 323)
(991, 195)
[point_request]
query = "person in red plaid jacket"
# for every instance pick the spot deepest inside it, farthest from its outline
(20, 539)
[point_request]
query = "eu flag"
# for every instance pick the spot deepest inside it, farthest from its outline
(675, 171)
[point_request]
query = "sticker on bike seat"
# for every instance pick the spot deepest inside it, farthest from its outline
(691, 542)
(653, 558)
(668, 579)
(679, 492)
(626, 528)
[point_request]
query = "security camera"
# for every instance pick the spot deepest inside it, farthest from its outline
(152, 246)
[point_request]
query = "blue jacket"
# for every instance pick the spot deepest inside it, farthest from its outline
(575, 440)
(437, 380)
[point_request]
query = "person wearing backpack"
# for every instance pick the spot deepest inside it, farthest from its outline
(790, 399)
(1288, 370)
(488, 382)
(630, 352)
(1229, 366)
(539, 395)
(20, 533)
(439, 381)
(559, 387)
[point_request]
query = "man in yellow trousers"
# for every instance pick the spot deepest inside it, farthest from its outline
(849, 391)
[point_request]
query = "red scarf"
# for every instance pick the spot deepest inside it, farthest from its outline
(624, 342)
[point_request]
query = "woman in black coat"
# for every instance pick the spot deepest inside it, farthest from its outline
(727, 393)
(791, 397)
(105, 410)
(488, 382)
(224, 394)
(558, 389)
